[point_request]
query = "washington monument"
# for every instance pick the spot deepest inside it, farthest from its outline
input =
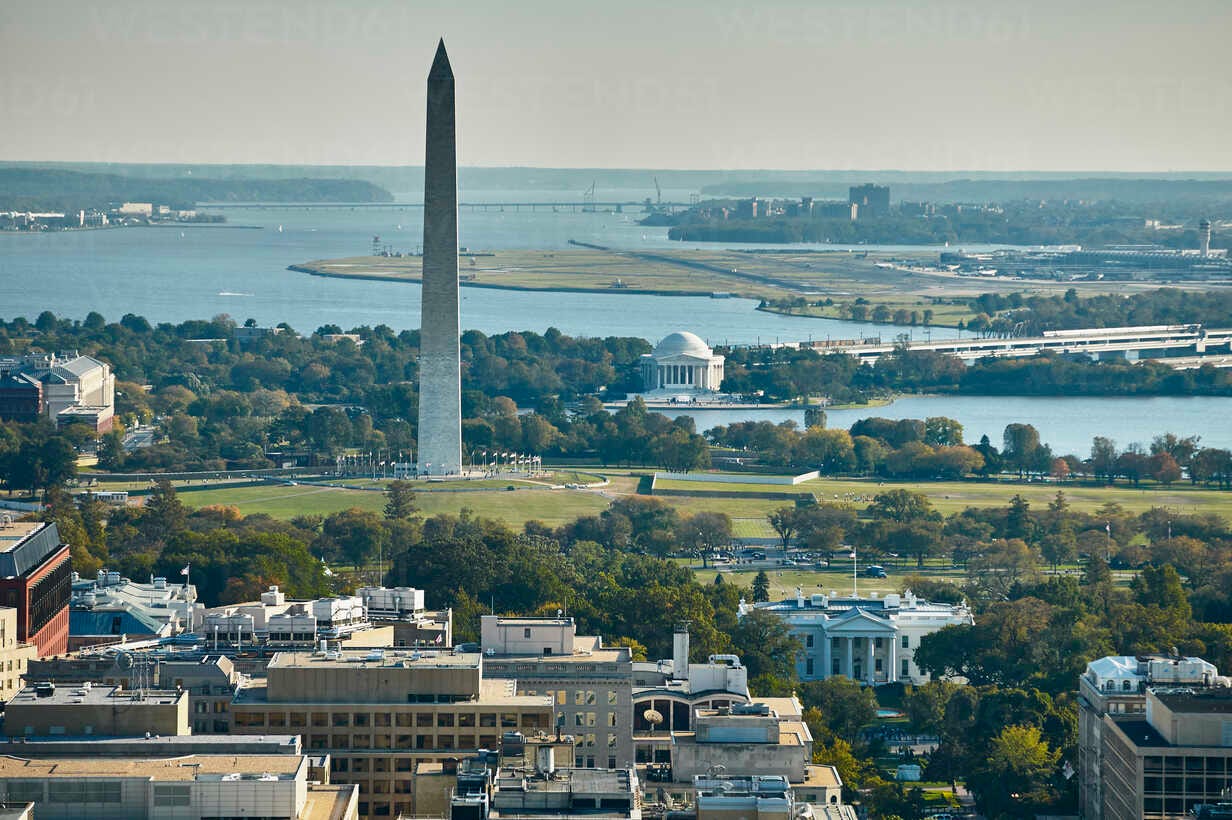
(440, 390)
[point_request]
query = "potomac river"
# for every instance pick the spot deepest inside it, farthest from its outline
(170, 274)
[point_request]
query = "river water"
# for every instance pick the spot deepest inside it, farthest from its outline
(1067, 424)
(170, 275)
(173, 274)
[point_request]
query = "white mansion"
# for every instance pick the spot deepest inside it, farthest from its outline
(682, 362)
(867, 639)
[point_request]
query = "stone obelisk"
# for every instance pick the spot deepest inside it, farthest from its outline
(440, 390)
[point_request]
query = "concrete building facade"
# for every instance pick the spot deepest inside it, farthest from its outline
(195, 787)
(46, 709)
(378, 714)
(591, 686)
(1117, 686)
(15, 654)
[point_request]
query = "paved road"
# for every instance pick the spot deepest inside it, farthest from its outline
(137, 439)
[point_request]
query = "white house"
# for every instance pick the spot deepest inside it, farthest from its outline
(867, 639)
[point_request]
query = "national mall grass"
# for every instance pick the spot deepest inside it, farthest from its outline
(553, 507)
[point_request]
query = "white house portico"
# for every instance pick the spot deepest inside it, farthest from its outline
(871, 640)
(681, 362)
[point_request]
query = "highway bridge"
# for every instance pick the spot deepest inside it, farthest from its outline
(1182, 346)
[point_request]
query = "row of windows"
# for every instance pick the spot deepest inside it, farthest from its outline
(384, 741)
(363, 720)
(905, 642)
(1195, 764)
(1193, 786)
(583, 719)
(64, 790)
(835, 667)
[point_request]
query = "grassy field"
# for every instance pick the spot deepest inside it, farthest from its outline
(839, 275)
(281, 501)
(954, 496)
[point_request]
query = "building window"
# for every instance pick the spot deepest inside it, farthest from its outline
(808, 641)
(611, 697)
(906, 642)
(906, 673)
(877, 643)
(526, 632)
(808, 666)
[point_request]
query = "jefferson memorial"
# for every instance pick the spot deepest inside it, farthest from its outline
(682, 362)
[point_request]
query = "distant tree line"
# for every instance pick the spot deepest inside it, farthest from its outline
(27, 188)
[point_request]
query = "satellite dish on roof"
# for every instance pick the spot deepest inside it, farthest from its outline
(652, 717)
(124, 660)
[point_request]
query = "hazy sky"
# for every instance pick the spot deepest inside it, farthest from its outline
(867, 84)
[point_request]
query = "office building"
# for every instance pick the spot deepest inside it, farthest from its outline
(15, 654)
(21, 396)
(35, 579)
(403, 609)
(378, 714)
(768, 737)
(872, 200)
(667, 692)
(590, 685)
(872, 640)
(209, 681)
(74, 388)
(1172, 759)
(195, 787)
(46, 709)
(109, 605)
(490, 790)
(1146, 725)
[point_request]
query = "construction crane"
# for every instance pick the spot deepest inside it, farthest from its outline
(658, 192)
(588, 198)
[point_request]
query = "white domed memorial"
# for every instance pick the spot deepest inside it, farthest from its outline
(682, 362)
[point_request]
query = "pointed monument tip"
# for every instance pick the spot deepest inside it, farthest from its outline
(440, 63)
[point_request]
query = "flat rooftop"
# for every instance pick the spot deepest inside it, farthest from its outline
(79, 695)
(190, 767)
(327, 802)
(159, 746)
(1212, 700)
(575, 781)
(821, 776)
(493, 692)
(13, 534)
(1141, 734)
(386, 659)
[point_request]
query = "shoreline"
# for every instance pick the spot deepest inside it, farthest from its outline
(371, 277)
(921, 328)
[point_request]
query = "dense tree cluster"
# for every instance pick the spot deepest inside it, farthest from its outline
(1004, 314)
(789, 375)
(222, 404)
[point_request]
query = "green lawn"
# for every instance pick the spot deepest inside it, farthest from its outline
(783, 582)
(954, 496)
(283, 501)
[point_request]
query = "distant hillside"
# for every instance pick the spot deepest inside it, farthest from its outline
(407, 180)
(27, 188)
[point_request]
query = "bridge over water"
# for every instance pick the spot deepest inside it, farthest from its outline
(1182, 346)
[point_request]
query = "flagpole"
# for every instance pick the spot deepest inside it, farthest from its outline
(855, 561)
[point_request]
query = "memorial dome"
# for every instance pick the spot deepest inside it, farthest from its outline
(683, 343)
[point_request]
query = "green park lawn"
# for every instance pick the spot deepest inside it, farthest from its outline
(952, 496)
(283, 501)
